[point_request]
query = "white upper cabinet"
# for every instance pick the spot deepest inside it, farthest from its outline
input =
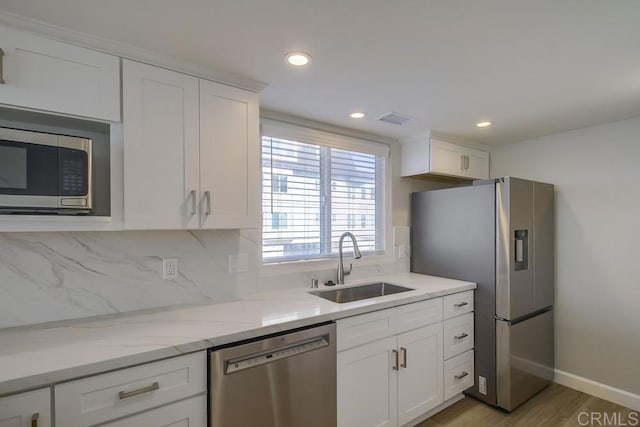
(160, 124)
(191, 152)
(51, 76)
(429, 156)
(229, 157)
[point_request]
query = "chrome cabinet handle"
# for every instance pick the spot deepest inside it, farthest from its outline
(1, 83)
(395, 358)
(461, 376)
(207, 195)
(466, 163)
(461, 162)
(404, 357)
(461, 304)
(127, 394)
(192, 193)
(461, 336)
(36, 416)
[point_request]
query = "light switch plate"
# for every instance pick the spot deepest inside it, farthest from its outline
(402, 251)
(238, 263)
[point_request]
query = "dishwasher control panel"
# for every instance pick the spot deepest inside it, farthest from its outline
(239, 364)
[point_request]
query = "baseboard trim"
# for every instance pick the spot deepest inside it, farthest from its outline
(440, 407)
(603, 391)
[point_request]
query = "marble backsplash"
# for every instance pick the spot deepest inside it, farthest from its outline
(65, 275)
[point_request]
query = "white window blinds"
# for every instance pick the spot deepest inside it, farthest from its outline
(314, 192)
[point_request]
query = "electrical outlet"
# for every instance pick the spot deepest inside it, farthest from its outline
(169, 268)
(482, 385)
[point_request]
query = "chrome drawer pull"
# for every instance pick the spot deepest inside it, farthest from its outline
(404, 357)
(34, 417)
(395, 362)
(461, 304)
(461, 336)
(127, 394)
(461, 376)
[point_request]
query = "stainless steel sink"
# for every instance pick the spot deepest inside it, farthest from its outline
(357, 293)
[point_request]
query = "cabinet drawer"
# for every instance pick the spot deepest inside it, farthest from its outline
(116, 394)
(457, 304)
(458, 335)
(358, 330)
(20, 409)
(416, 315)
(191, 412)
(458, 374)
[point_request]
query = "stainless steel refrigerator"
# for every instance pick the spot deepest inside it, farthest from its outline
(499, 234)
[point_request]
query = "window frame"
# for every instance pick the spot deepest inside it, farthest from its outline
(277, 129)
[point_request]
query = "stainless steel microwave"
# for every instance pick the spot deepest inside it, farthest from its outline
(44, 173)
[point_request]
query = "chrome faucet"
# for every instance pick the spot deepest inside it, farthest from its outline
(356, 255)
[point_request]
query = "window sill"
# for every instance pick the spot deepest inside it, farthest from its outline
(290, 267)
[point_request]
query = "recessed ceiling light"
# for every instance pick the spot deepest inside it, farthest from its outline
(357, 115)
(298, 59)
(483, 124)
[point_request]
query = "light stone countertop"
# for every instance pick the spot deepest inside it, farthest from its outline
(32, 357)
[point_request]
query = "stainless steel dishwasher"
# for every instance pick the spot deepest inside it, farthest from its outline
(287, 380)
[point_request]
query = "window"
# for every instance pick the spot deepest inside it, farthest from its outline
(313, 190)
(279, 183)
(278, 220)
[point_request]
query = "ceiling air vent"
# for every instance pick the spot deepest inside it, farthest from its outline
(394, 119)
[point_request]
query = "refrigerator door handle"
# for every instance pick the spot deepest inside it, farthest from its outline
(521, 250)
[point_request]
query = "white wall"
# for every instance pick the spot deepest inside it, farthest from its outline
(56, 276)
(596, 171)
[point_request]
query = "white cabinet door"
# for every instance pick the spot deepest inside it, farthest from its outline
(161, 139)
(367, 385)
(26, 409)
(420, 377)
(48, 75)
(229, 157)
(446, 158)
(458, 160)
(187, 413)
(477, 164)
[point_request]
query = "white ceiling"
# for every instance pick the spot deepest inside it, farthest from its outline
(533, 67)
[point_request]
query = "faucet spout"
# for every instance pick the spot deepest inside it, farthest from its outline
(356, 255)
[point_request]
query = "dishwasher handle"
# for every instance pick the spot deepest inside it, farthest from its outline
(278, 353)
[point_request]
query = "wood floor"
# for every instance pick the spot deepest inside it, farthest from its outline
(556, 406)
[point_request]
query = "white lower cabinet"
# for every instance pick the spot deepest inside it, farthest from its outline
(458, 374)
(392, 380)
(138, 393)
(391, 363)
(419, 372)
(367, 385)
(31, 409)
(191, 412)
